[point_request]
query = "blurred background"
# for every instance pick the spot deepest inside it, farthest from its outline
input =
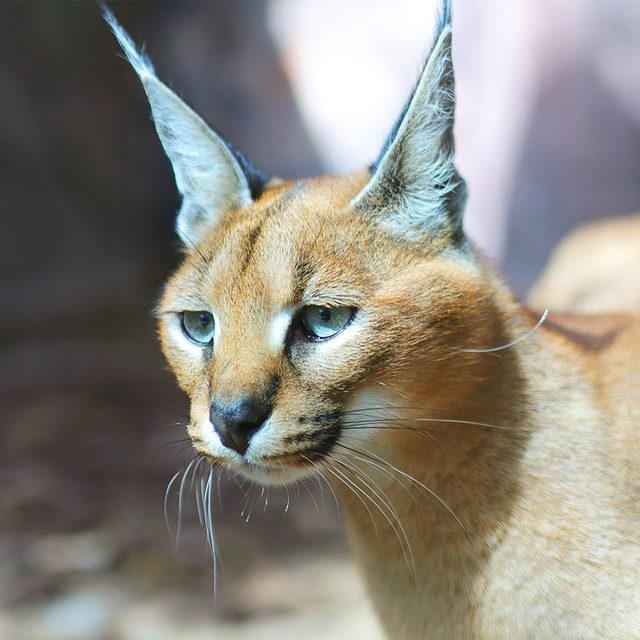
(92, 424)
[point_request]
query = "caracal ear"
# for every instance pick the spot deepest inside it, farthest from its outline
(212, 176)
(415, 191)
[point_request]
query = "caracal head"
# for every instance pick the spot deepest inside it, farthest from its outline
(306, 310)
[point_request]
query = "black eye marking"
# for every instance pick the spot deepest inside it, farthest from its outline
(320, 437)
(317, 443)
(254, 235)
(274, 386)
(328, 417)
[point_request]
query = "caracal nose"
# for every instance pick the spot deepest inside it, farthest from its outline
(236, 422)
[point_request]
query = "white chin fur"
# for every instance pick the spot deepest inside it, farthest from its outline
(250, 466)
(272, 476)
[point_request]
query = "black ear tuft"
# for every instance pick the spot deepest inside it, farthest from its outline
(211, 174)
(256, 179)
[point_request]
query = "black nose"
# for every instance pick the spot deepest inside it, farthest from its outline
(236, 422)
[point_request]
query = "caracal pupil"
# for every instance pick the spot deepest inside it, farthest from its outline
(344, 325)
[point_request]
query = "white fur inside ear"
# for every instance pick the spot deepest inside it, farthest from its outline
(207, 173)
(415, 191)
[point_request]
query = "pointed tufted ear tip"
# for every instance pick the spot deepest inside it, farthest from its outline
(137, 59)
(211, 174)
(415, 192)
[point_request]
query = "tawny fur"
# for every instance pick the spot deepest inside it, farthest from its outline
(488, 471)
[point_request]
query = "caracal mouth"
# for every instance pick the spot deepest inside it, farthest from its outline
(275, 470)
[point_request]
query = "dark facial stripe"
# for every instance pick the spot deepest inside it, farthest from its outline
(254, 234)
(317, 443)
(256, 231)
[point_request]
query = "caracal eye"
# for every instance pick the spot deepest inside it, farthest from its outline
(198, 325)
(325, 322)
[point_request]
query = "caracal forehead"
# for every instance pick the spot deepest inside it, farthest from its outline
(296, 242)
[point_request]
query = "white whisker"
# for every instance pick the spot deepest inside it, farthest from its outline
(166, 502)
(406, 550)
(350, 486)
(430, 491)
(514, 342)
(183, 483)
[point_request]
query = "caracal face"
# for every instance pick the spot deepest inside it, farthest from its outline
(257, 273)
